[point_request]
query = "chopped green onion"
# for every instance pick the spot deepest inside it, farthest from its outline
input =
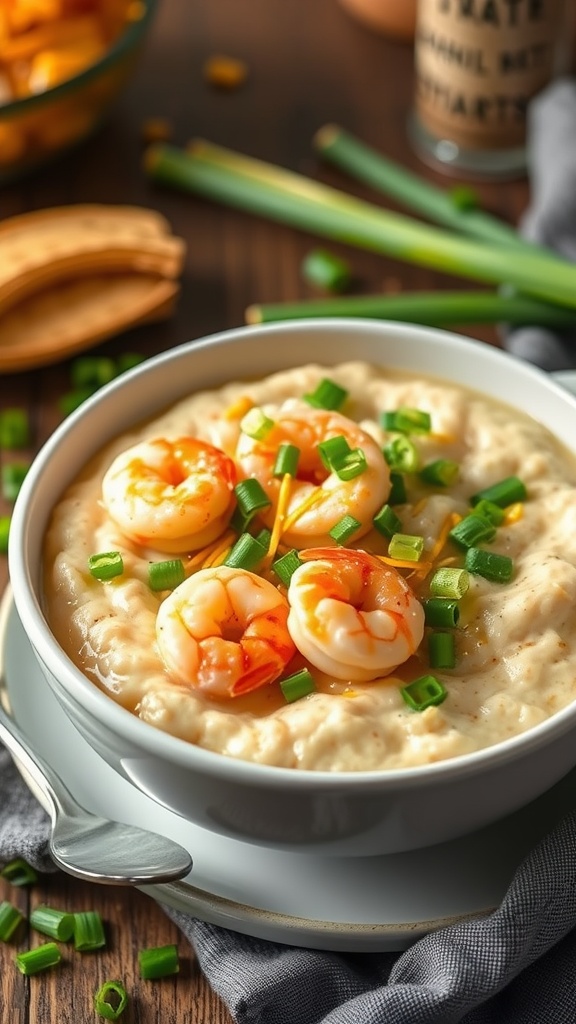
(106, 565)
(251, 498)
(441, 612)
(441, 650)
(336, 454)
(13, 474)
(327, 395)
(490, 565)
(424, 693)
(397, 494)
(111, 1000)
(88, 931)
(488, 510)
(471, 531)
(441, 472)
(166, 575)
(296, 686)
(92, 371)
(14, 429)
(247, 553)
(256, 424)
(325, 270)
(264, 536)
(344, 529)
(10, 918)
(35, 960)
(387, 522)
(19, 872)
(55, 923)
(401, 454)
(449, 582)
(4, 533)
(406, 547)
(286, 566)
(158, 962)
(286, 460)
(72, 400)
(334, 449)
(505, 492)
(406, 420)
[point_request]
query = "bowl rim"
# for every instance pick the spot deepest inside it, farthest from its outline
(157, 743)
(131, 34)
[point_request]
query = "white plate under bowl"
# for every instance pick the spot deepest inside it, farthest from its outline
(342, 904)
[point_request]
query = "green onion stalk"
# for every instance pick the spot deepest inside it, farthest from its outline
(220, 174)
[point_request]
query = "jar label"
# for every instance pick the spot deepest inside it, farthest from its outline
(479, 62)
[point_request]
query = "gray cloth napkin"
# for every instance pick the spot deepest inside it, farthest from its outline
(550, 218)
(516, 966)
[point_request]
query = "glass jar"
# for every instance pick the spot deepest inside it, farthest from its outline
(478, 63)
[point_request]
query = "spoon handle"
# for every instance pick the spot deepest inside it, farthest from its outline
(56, 796)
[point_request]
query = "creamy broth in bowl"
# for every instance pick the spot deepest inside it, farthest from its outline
(351, 614)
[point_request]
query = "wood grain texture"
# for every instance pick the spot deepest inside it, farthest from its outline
(303, 72)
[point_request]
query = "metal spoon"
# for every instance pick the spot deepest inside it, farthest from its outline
(90, 847)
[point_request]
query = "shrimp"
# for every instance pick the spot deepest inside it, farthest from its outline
(352, 616)
(324, 498)
(173, 495)
(223, 631)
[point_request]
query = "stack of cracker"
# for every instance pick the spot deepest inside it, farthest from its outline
(73, 276)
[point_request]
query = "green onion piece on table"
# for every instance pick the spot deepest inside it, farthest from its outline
(18, 872)
(39, 959)
(111, 1000)
(505, 492)
(92, 371)
(12, 478)
(406, 547)
(441, 650)
(406, 420)
(287, 459)
(88, 931)
(286, 566)
(344, 529)
(387, 522)
(298, 685)
(424, 693)
(4, 533)
(158, 962)
(401, 454)
(441, 612)
(247, 553)
(492, 566)
(449, 581)
(10, 918)
(256, 424)
(53, 922)
(166, 575)
(440, 473)
(327, 395)
(106, 565)
(128, 360)
(324, 270)
(471, 531)
(14, 429)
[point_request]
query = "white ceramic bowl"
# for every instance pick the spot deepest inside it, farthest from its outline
(341, 813)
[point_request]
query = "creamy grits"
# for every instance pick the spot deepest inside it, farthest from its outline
(514, 640)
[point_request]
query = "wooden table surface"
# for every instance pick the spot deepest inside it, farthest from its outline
(308, 65)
